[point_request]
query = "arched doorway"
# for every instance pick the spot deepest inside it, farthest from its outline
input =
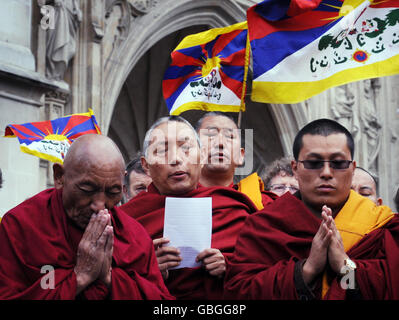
(134, 97)
(140, 103)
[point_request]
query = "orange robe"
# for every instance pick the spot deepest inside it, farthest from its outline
(253, 187)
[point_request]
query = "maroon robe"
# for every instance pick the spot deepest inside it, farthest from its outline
(230, 208)
(275, 238)
(38, 232)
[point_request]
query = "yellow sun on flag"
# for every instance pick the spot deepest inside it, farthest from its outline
(210, 64)
(347, 7)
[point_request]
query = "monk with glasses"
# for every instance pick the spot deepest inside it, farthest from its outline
(323, 242)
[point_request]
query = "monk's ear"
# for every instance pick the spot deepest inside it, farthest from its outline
(145, 166)
(124, 188)
(58, 175)
(242, 156)
(294, 167)
(203, 156)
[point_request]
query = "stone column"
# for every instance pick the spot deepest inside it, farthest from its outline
(22, 89)
(54, 106)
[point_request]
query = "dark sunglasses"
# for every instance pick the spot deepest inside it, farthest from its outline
(318, 164)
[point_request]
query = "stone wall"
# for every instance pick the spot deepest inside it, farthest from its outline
(22, 99)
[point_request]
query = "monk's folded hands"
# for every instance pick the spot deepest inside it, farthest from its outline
(316, 262)
(106, 270)
(336, 251)
(92, 250)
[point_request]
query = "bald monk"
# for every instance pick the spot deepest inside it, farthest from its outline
(325, 241)
(172, 159)
(221, 140)
(365, 185)
(70, 242)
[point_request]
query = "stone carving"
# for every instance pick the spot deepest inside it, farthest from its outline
(370, 122)
(61, 41)
(140, 7)
(343, 108)
(57, 95)
(97, 20)
(118, 19)
(136, 7)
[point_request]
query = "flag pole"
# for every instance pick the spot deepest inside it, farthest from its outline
(239, 119)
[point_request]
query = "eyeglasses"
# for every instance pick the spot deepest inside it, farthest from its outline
(318, 164)
(283, 188)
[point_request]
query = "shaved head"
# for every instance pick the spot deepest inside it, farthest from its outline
(91, 177)
(93, 149)
(365, 184)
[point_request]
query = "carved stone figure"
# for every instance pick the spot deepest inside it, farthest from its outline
(61, 41)
(140, 7)
(342, 109)
(370, 122)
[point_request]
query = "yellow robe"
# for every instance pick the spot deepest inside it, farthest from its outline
(357, 218)
(252, 187)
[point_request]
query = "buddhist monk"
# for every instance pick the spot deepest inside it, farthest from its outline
(365, 185)
(70, 242)
(172, 158)
(221, 140)
(325, 241)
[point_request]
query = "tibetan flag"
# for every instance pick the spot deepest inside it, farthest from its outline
(303, 47)
(208, 71)
(50, 140)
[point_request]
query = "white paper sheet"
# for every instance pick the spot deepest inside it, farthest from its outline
(188, 226)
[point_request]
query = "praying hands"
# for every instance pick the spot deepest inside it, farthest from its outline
(94, 257)
(327, 246)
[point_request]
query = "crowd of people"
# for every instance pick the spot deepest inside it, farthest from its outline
(308, 227)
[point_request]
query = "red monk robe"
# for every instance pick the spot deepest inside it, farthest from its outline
(275, 238)
(38, 232)
(229, 210)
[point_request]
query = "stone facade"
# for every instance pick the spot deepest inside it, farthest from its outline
(23, 89)
(112, 59)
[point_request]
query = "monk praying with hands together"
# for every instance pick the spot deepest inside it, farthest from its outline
(323, 242)
(90, 248)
